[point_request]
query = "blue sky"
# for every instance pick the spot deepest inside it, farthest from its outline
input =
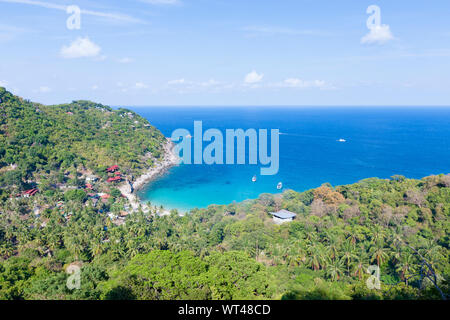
(227, 52)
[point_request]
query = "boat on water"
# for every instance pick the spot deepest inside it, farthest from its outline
(342, 140)
(254, 178)
(279, 185)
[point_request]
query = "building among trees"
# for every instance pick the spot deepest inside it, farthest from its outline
(282, 216)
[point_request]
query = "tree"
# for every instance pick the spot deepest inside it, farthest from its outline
(115, 192)
(360, 263)
(316, 258)
(348, 254)
(406, 266)
(234, 275)
(335, 269)
(76, 195)
(379, 253)
(160, 275)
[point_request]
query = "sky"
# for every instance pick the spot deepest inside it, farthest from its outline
(227, 52)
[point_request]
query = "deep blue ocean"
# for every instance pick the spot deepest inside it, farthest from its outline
(380, 142)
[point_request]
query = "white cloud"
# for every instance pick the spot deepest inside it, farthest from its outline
(113, 16)
(161, 2)
(100, 58)
(299, 83)
(210, 83)
(8, 32)
(124, 87)
(378, 34)
(48, 5)
(177, 81)
(80, 48)
(43, 89)
(94, 87)
(184, 86)
(273, 30)
(253, 77)
(140, 85)
(125, 60)
(37, 3)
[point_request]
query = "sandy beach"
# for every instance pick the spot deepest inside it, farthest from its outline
(169, 160)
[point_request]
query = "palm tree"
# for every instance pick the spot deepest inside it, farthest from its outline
(431, 252)
(378, 234)
(333, 244)
(53, 241)
(335, 269)
(74, 246)
(360, 263)
(352, 236)
(348, 253)
(406, 266)
(297, 252)
(396, 251)
(6, 250)
(378, 253)
(316, 256)
(97, 248)
(311, 233)
(133, 247)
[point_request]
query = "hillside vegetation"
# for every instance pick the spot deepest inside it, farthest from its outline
(38, 141)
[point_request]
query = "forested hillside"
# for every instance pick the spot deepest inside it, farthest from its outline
(37, 141)
(60, 207)
(237, 252)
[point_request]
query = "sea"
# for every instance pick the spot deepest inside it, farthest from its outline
(379, 142)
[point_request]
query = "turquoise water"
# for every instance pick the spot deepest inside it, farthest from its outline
(380, 142)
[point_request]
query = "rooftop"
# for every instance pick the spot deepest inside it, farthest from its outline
(283, 214)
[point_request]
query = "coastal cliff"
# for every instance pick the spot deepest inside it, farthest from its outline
(129, 188)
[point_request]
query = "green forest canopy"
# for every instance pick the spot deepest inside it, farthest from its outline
(37, 139)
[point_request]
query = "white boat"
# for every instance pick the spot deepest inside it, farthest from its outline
(254, 179)
(342, 140)
(279, 185)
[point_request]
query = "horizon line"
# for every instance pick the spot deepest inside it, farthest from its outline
(274, 105)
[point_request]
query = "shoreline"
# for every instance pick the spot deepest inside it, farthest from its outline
(169, 160)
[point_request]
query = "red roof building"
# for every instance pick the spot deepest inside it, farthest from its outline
(114, 179)
(113, 168)
(30, 192)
